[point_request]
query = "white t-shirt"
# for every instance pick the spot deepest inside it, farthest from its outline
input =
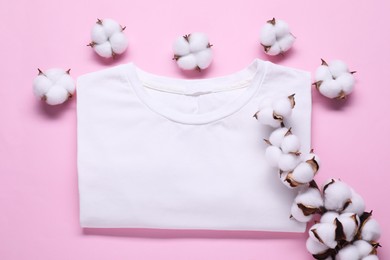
(164, 152)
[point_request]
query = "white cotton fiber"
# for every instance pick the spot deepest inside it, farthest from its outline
(336, 195)
(290, 144)
(181, 46)
(315, 247)
(357, 204)
(371, 257)
(329, 217)
(193, 51)
(277, 136)
(275, 37)
(286, 42)
(282, 107)
(303, 173)
(350, 223)
(330, 88)
(204, 58)
(110, 27)
(337, 68)
(349, 252)
(334, 80)
(118, 42)
(198, 41)
(103, 50)
(107, 38)
(371, 230)
(54, 86)
(265, 117)
(288, 162)
(323, 73)
(187, 62)
(298, 215)
(364, 248)
(268, 34)
(324, 233)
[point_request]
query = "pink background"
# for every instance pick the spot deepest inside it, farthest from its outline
(38, 174)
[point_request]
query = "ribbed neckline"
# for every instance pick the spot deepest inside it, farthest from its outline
(251, 77)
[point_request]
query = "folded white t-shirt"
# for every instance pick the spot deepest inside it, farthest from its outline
(164, 152)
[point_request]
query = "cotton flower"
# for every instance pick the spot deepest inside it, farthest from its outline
(279, 110)
(314, 247)
(334, 80)
(337, 195)
(193, 51)
(306, 204)
(356, 204)
(370, 229)
(275, 37)
(324, 233)
(364, 248)
(108, 39)
(349, 252)
(54, 86)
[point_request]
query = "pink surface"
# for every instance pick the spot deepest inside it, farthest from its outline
(38, 175)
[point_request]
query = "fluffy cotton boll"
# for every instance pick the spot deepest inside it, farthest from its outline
(274, 49)
(324, 233)
(275, 37)
(281, 28)
(103, 50)
(277, 136)
(204, 58)
(350, 223)
(108, 38)
(364, 248)
(314, 247)
(54, 86)
(371, 257)
(307, 202)
(346, 81)
(357, 204)
(55, 74)
(268, 35)
(187, 62)
(198, 41)
(98, 35)
(266, 117)
(290, 144)
(337, 67)
(370, 230)
(282, 107)
(303, 173)
(288, 162)
(349, 252)
(311, 156)
(67, 83)
(286, 42)
(181, 46)
(330, 88)
(298, 214)
(41, 84)
(118, 43)
(111, 26)
(194, 49)
(329, 217)
(323, 73)
(272, 154)
(337, 195)
(56, 95)
(334, 80)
